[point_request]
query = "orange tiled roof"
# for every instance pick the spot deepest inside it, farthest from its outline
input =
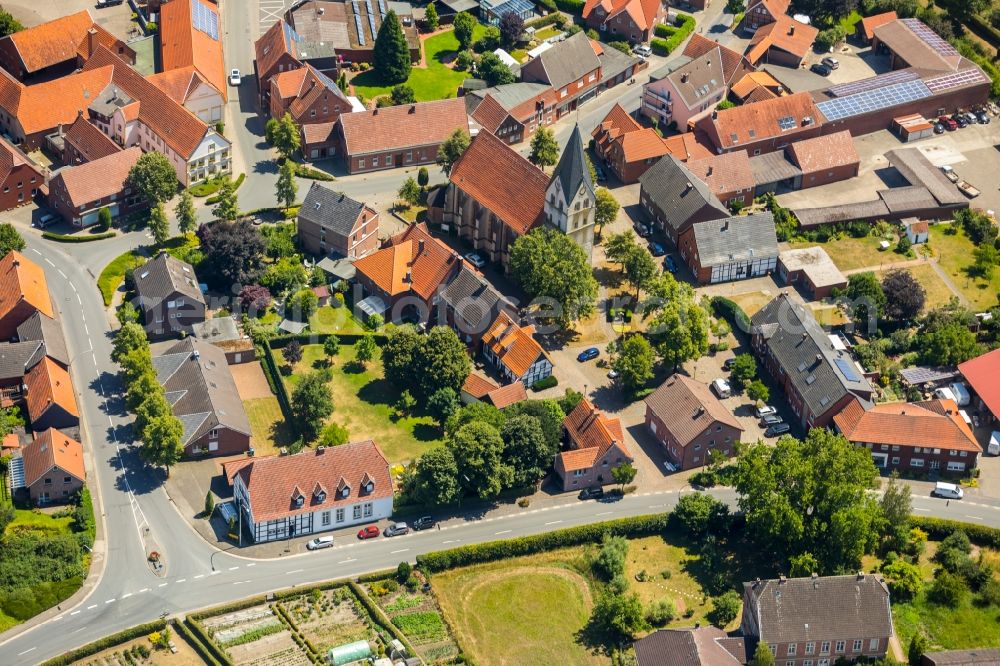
(48, 383)
(755, 80)
(23, 280)
(478, 387)
(725, 173)
(412, 260)
(686, 147)
(934, 423)
(869, 23)
(406, 125)
(177, 83)
(182, 44)
(786, 34)
(502, 180)
(314, 86)
(9, 158)
(759, 94)
(754, 122)
(643, 12)
(643, 144)
(52, 449)
(289, 82)
(825, 152)
(91, 142)
(981, 373)
(52, 42)
(271, 46)
(592, 431)
(505, 396)
(99, 178)
(44, 106)
(514, 345)
(490, 114)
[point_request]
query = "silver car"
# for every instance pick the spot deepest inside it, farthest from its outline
(396, 529)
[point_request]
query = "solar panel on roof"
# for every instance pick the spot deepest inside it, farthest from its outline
(854, 87)
(371, 19)
(786, 123)
(873, 100)
(847, 369)
(956, 80)
(929, 37)
(205, 20)
(357, 23)
(381, 8)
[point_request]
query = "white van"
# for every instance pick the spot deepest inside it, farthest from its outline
(961, 394)
(944, 394)
(320, 542)
(993, 448)
(947, 490)
(721, 388)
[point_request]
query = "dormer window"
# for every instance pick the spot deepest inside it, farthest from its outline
(368, 483)
(319, 493)
(298, 499)
(321, 497)
(343, 488)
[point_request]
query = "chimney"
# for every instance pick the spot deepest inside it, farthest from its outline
(688, 186)
(791, 30)
(709, 170)
(782, 580)
(91, 36)
(409, 277)
(715, 115)
(684, 77)
(320, 449)
(815, 575)
(781, 89)
(413, 109)
(725, 225)
(420, 246)
(861, 575)
(804, 335)
(320, 10)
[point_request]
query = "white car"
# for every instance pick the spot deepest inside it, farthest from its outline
(766, 410)
(475, 259)
(947, 491)
(320, 542)
(612, 374)
(235, 78)
(643, 50)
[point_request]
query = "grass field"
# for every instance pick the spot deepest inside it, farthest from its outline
(938, 292)
(114, 273)
(751, 301)
(435, 81)
(852, 253)
(526, 610)
(267, 425)
(335, 320)
(363, 403)
(954, 253)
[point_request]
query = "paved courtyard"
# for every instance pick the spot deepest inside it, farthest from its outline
(116, 20)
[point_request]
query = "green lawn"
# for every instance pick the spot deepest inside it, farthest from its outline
(436, 81)
(954, 253)
(363, 403)
(938, 292)
(852, 253)
(267, 425)
(335, 320)
(114, 273)
(547, 32)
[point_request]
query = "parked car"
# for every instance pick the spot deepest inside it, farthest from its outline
(821, 69)
(730, 362)
(770, 420)
(721, 388)
(588, 354)
(600, 173)
(320, 542)
(397, 529)
(948, 123)
(369, 532)
(424, 523)
(475, 259)
(670, 264)
(641, 229)
(777, 429)
(766, 410)
(643, 50)
(46, 219)
(234, 77)
(983, 118)
(950, 173)
(960, 119)
(591, 493)
(938, 128)
(947, 491)
(831, 62)
(612, 374)
(657, 249)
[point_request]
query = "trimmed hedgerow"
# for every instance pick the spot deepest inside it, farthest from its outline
(102, 644)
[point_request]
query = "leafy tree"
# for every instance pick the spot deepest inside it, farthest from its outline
(410, 192)
(228, 207)
(623, 474)
(743, 371)
(127, 313)
(725, 609)
(489, 42)
(130, 337)
(284, 275)
(433, 478)
(634, 363)
(549, 415)
(283, 134)
(679, 330)
(802, 565)
(569, 401)
(951, 344)
(8, 26)
(640, 269)
(493, 70)
(209, 504)
(903, 579)
(452, 148)
(443, 404)
(619, 614)
(311, 404)
(977, 225)
(544, 148)
(986, 258)
(904, 296)
(948, 589)
(762, 655)
(868, 298)
(333, 434)
(402, 94)
(465, 25)
(605, 209)
(301, 305)
(159, 226)
(758, 391)
(661, 613)
(547, 263)
(10, 239)
(162, 441)
(286, 187)
(399, 355)
(915, 651)
(366, 350)
(292, 352)
(280, 240)
(187, 219)
(442, 361)
(255, 299)
(478, 450)
(331, 347)
(153, 177)
(234, 253)
(810, 494)
(896, 508)
(511, 29)
(698, 514)
(7, 516)
(619, 247)
(476, 412)
(405, 403)
(423, 176)
(525, 449)
(611, 558)
(135, 364)
(431, 17)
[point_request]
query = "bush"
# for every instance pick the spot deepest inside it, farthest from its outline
(827, 39)
(733, 314)
(725, 608)
(403, 571)
(216, 199)
(574, 7)
(76, 238)
(659, 46)
(947, 589)
(546, 383)
(939, 529)
(305, 171)
(661, 613)
(669, 37)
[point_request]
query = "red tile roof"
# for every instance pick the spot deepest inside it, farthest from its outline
(786, 34)
(271, 46)
(869, 23)
(184, 45)
(48, 384)
(642, 145)
(686, 147)
(502, 180)
(289, 82)
(178, 83)
(404, 126)
(412, 260)
(725, 173)
(9, 158)
(52, 448)
(934, 423)
(313, 87)
(95, 180)
(273, 481)
(490, 114)
(643, 12)
(505, 396)
(733, 62)
(478, 387)
(826, 152)
(10, 92)
(688, 407)
(514, 345)
(759, 94)
(982, 373)
(23, 280)
(754, 122)
(745, 86)
(594, 433)
(44, 106)
(89, 141)
(55, 41)
(617, 123)
(313, 133)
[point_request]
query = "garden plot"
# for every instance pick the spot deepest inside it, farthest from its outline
(140, 652)
(255, 637)
(417, 615)
(329, 618)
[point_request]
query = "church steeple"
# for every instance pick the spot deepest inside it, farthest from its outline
(573, 170)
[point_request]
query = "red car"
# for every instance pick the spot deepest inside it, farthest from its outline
(948, 123)
(369, 532)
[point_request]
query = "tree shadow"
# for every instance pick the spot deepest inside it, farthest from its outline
(353, 368)
(425, 432)
(378, 392)
(369, 79)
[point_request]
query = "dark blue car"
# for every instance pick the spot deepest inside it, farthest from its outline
(657, 249)
(588, 354)
(670, 264)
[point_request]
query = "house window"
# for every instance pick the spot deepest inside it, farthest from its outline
(857, 645)
(388, 160)
(326, 518)
(916, 462)
(895, 460)
(374, 161)
(873, 644)
(579, 472)
(357, 512)
(409, 156)
(48, 481)
(810, 648)
(824, 647)
(65, 479)
(340, 515)
(792, 649)
(368, 509)
(840, 646)
(935, 464)
(361, 163)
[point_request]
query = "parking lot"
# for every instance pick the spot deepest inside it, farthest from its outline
(269, 11)
(116, 20)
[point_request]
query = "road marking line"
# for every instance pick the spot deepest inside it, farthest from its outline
(57, 618)
(294, 571)
(252, 564)
(27, 651)
(72, 286)
(199, 576)
(74, 612)
(917, 508)
(63, 275)
(163, 584)
(92, 607)
(451, 541)
(145, 589)
(656, 506)
(346, 561)
(605, 513)
(76, 631)
(126, 595)
(553, 522)
(396, 552)
(973, 517)
(78, 299)
(110, 601)
(215, 573)
(49, 262)
(504, 531)
(233, 568)
(181, 580)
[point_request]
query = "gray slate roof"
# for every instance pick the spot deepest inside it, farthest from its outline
(690, 647)
(771, 168)
(331, 210)
(816, 609)
(572, 169)
(473, 299)
(565, 62)
(218, 329)
(201, 390)
(42, 328)
(914, 166)
(678, 192)
(744, 237)
(802, 348)
(973, 657)
(698, 79)
(508, 96)
(164, 275)
(16, 358)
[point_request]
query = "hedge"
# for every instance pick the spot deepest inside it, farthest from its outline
(496, 550)
(939, 528)
(730, 311)
(674, 35)
(102, 644)
(274, 379)
(659, 46)
(549, 5)
(571, 6)
(203, 651)
(551, 19)
(210, 645)
(281, 341)
(546, 383)
(73, 238)
(216, 199)
(309, 173)
(376, 575)
(982, 27)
